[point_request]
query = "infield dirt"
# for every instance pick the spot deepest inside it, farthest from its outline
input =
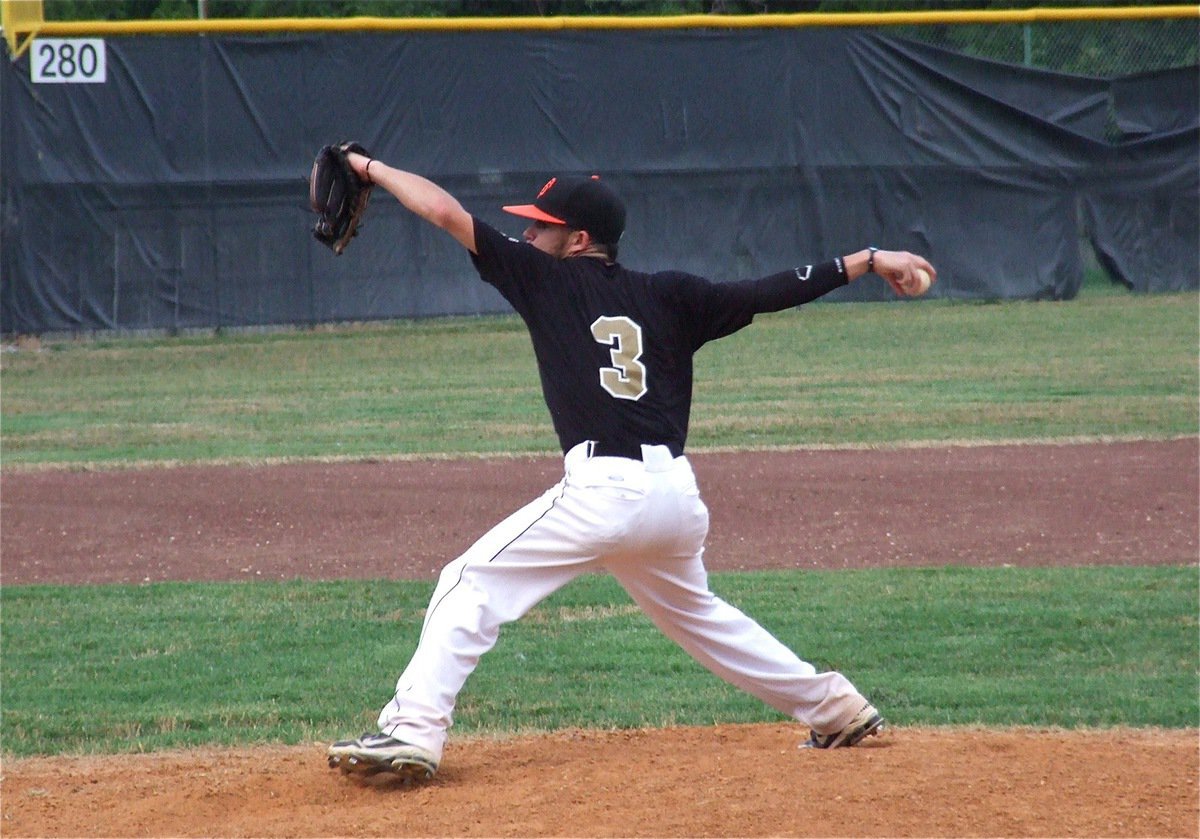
(1128, 503)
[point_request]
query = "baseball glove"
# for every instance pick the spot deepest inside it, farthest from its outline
(337, 195)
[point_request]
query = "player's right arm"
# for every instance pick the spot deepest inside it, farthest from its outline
(420, 195)
(804, 284)
(898, 268)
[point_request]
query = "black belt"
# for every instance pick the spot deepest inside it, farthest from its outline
(599, 449)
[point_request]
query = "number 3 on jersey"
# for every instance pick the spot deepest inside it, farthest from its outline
(626, 379)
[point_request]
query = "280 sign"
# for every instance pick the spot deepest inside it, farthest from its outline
(68, 61)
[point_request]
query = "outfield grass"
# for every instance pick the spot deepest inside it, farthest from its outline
(828, 374)
(145, 667)
(119, 668)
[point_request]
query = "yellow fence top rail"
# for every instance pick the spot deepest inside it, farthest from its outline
(689, 21)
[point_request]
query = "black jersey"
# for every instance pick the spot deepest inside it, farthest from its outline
(614, 347)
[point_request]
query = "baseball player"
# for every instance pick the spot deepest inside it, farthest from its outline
(614, 352)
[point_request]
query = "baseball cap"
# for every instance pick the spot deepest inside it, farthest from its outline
(579, 203)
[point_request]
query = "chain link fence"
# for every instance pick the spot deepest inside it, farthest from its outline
(1100, 48)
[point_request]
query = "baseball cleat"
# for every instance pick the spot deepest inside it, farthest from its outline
(375, 753)
(865, 723)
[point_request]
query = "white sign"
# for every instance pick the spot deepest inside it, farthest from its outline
(68, 61)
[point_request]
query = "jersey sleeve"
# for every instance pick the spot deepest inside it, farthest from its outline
(795, 287)
(513, 267)
(720, 309)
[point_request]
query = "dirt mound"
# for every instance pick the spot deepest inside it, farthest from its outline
(744, 780)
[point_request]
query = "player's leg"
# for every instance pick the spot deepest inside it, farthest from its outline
(669, 582)
(506, 572)
(675, 595)
(518, 563)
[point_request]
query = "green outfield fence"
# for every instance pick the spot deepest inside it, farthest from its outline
(1023, 150)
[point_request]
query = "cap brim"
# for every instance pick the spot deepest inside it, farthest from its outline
(531, 211)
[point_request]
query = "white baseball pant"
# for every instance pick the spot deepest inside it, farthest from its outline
(645, 524)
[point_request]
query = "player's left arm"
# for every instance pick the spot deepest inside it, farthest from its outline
(421, 196)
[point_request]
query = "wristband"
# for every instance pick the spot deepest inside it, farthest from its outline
(367, 170)
(870, 259)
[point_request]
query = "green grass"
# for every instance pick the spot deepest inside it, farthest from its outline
(118, 668)
(829, 374)
(114, 668)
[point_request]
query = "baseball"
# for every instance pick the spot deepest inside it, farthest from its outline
(923, 282)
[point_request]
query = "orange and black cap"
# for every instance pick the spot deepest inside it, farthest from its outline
(579, 203)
